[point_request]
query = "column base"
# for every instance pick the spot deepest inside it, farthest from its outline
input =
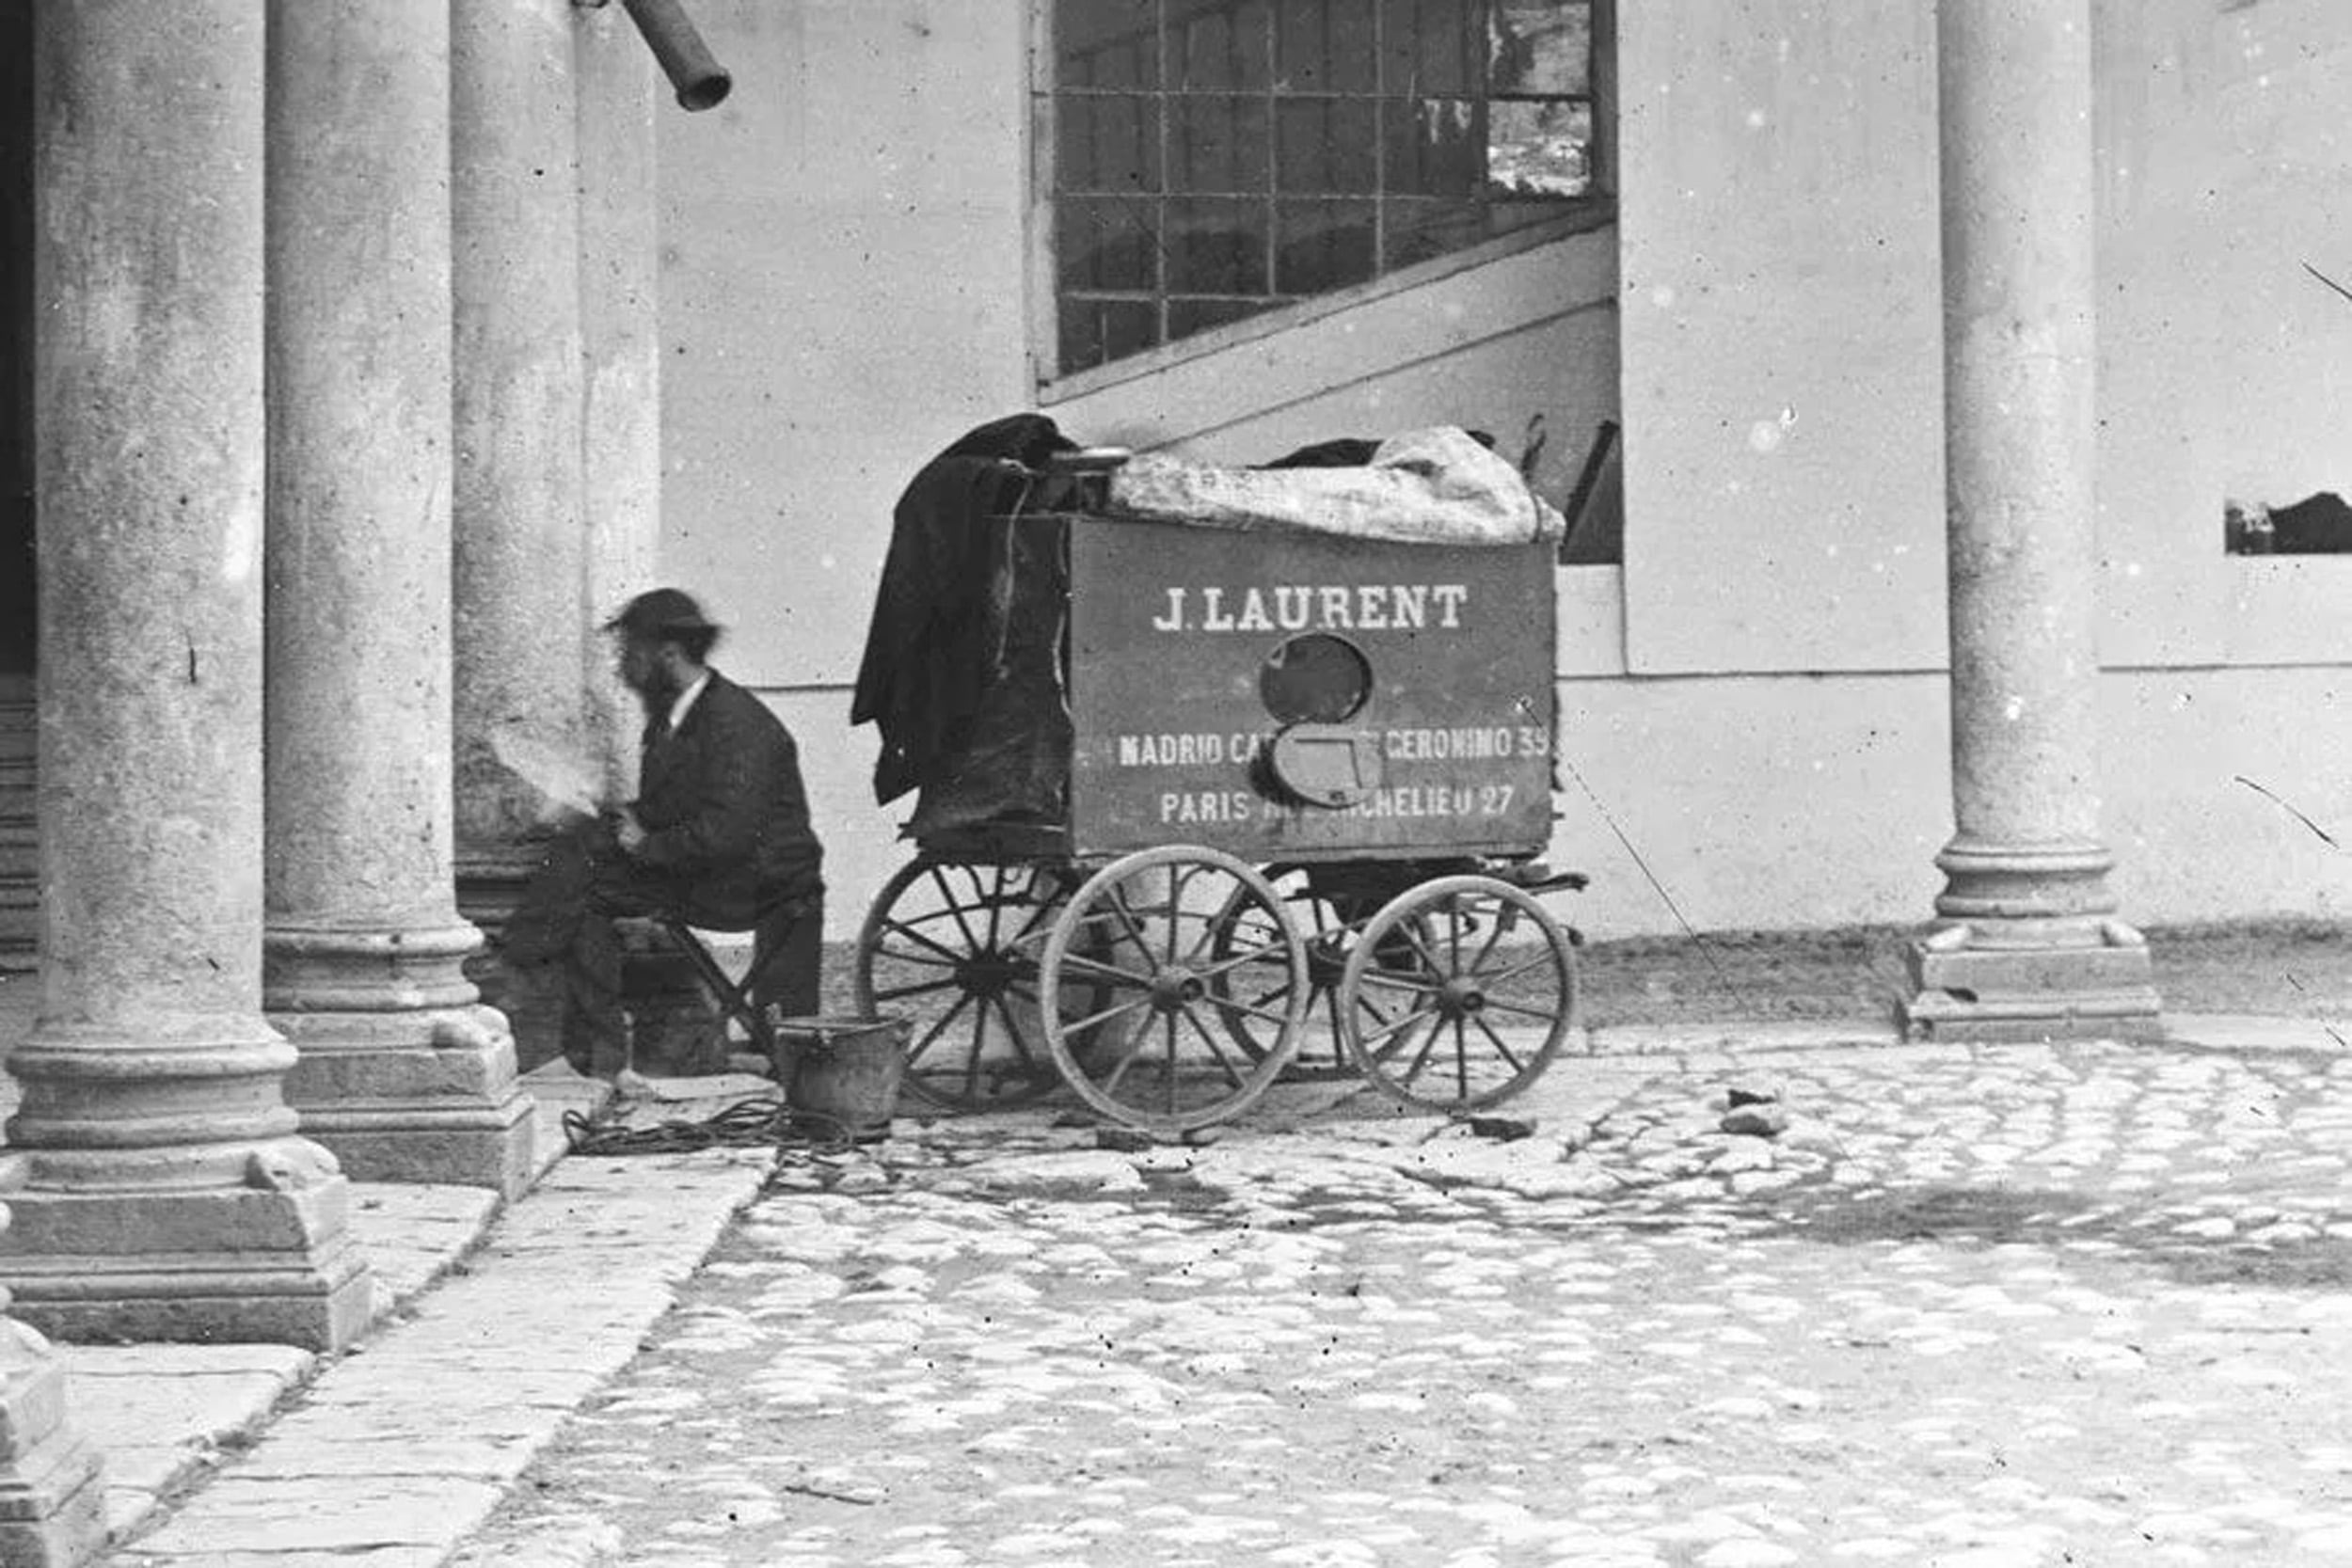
(270, 1261)
(1982, 983)
(398, 1071)
(420, 1097)
(53, 1506)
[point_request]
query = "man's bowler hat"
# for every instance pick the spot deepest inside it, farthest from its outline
(661, 611)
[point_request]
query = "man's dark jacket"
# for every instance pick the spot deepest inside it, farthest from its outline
(723, 809)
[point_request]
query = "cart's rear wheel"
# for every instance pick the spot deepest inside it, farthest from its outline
(1443, 1002)
(1329, 933)
(955, 948)
(1156, 1048)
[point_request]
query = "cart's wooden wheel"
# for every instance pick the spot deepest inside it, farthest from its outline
(955, 948)
(1444, 1006)
(1155, 1051)
(1329, 937)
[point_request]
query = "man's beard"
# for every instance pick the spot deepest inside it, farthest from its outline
(657, 692)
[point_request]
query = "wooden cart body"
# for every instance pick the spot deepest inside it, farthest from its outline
(1170, 631)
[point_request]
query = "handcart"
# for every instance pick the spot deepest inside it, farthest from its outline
(1279, 783)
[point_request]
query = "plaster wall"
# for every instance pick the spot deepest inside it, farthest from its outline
(2225, 365)
(842, 294)
(1755, 699)
(1783, 381)
(1796, 801)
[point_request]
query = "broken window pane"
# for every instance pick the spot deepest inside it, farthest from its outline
(1539, 149)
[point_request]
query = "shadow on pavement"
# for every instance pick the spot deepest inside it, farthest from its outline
(2072, 1224)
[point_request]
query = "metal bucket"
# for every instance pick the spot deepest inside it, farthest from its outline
(841, 1072)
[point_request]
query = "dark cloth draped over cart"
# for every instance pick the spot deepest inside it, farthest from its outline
(961, 674)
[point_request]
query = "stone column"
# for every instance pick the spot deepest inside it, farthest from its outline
(620, 262)
(620, 100)
(402, 1073)
(161, 1192)
(522, 621)
(2026, 946)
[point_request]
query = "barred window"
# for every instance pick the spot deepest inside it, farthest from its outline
(1214, 159)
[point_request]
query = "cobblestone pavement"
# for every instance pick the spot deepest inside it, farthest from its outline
(1999, 1306)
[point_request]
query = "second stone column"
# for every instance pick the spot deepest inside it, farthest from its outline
(522, 616)
(403, 1074)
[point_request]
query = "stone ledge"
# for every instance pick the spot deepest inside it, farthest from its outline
(398, 1449)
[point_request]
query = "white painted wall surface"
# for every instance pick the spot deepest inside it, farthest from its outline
(844, 291)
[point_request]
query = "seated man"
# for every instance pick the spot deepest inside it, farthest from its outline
(719, 834)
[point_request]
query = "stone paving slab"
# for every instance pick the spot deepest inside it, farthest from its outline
(159, 1412)
(391, 1454)
(162, 1413)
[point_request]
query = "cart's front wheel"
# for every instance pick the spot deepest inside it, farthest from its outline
(955, 948)
(1458, 994)
(1142, 978)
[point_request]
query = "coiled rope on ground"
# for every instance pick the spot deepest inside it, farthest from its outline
(763, 1121)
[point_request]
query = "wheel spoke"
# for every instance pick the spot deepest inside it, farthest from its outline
(1033, 926)
(955, 907)
(1502, 1050)
(1255, 1002)
(915, 1051)
(1260, 1013)
(1547, 1014)
(897, 993)
(1420, 1057)
(1217, 1052)
(1131, 1052)
(1227, 965)
(1127, 919)
(996, 900)
(1506, 916)
(1461, 1059)
(1033, 1070)
(945, 953)
(1170, 1053)
(1418, 984)
(979, 1049)
(1418, 940)
(1389, 1029)
(1094, 969)
(1079, 1025)
(1538, 962)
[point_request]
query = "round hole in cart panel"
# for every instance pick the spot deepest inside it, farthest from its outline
(1315, 679)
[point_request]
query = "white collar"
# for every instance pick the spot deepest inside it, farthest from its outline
(686, 701)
